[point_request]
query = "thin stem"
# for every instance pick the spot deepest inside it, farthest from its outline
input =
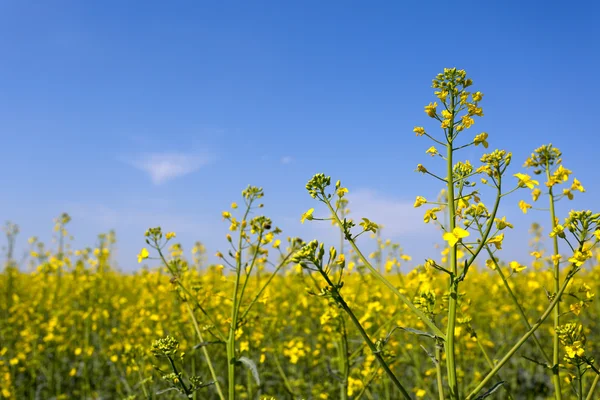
(579, 383)
(555, 341)
(593, 387)
(517, 304)
(491, 365)
(340, 300)
(524, 338)
(438, 370)
(387, 283)
(453, 282)
(211, 368)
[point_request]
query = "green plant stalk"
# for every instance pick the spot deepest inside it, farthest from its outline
(143, 384)
(235, 308)
(438, 371)
(271, 277)
(181, 382)
(491, 365)
(579, 383)
(387, 283)
(523, 339)
(189, 295)
(593, 387)
(453, 298)
(518, 305)
(556, 316)
(286, 382)
(365, 336)
(344, 364)
(211, 367)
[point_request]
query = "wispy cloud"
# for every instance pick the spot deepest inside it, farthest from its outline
(400, 220)
(165, 166)
(286, 160)
(398, 217)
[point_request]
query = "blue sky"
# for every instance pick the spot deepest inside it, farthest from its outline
(134, 114)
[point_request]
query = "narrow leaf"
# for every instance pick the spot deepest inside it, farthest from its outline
(251, 365)
(491, 391)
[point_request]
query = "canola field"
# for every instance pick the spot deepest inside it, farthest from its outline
(285, 318)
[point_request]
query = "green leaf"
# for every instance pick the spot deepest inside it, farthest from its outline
(418, 332)
(494, 388)
(251, 365)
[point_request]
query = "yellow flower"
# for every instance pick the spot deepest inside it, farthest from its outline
(430, 109)
(420, 201)
(561, 173)
(481, 139)
(170, 235)
(536, 254)
(234, 205)
(526, 181)
(446, 114)
(559, 231)
(556, 259)
(575, 350)
(467, 121)
(497, 241)
(143, 255)
(226, 214)
(430, 214)
(477, 96)
(580, 257)
(567, 192)
(420, 393)
(516, 267)
(419, 130)
(307, 215)
(524, 206)
(342, 191)
(442, 94)
(453, 237)
(535, 194)
(577, 185)
(421, 168)
(432, 151)
(490, 264)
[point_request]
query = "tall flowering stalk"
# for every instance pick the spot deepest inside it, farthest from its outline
(547, 161)
(468, 227)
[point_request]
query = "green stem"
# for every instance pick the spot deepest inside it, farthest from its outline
(340, 300)
(286, 382)
(453, 297)
(344, 364)
(518, 305)
(260, 292)
(180, 377)
(593, 387)
(555, 341)
(438, 370)
(491, 365)
(211, 367)
(231, 360)
(579, 383)
(524, 338)
(387, 283)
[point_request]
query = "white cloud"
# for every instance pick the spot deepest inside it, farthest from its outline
(398, 217)
(165, 166)
(286, 160)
